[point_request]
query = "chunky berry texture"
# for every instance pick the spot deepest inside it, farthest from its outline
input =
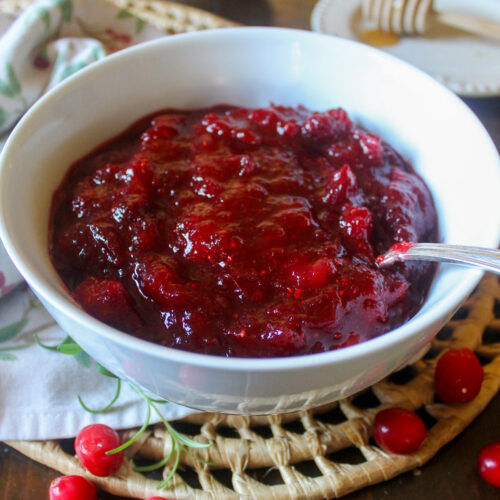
(488, 463)
(72, 488)
(243, 232)
(91, 446)
(458, 376)
(399, 431)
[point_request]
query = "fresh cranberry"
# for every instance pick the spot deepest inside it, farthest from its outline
(72, 488)
(398, 430)
(458, 376)
(91, 446)
(488, 462)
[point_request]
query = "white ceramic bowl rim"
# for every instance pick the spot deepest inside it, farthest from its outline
(367, 348)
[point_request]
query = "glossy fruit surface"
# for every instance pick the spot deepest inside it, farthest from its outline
(458, 376)
(91, 446)
(72, 488)
(243, 232)
(398, 430)
(488, 462)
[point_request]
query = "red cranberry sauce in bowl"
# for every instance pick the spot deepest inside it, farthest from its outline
(243, 232)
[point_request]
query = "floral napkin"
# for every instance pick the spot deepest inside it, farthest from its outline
(39, 387)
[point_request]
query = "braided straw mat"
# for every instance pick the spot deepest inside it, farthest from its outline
(328, 436)
(332, 441)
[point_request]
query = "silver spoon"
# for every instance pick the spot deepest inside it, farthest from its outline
(485, 258)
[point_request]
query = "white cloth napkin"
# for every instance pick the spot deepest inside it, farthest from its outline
(39, 388)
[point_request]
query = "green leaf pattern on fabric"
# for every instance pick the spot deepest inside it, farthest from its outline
(70, 69)
(11, 87)
(98, 53)
(10, 331)
(83, 358)
(66, 7)
(139, 25)
(44, 15)
(5, 89)
(61, 56)
(124, 14)
(63, 70)
(12, 79)
(7, 356)
(3, 116)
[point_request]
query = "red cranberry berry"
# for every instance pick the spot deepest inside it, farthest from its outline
(458, 376)
(488, 463)
(91, 446)
(399, 431)
(72, 488)
(156, 498)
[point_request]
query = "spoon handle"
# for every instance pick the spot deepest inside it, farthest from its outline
(485, 258)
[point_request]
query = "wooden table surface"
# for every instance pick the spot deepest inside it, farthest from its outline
(452, 474)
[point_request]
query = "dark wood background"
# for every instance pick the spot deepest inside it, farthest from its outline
(452, 474)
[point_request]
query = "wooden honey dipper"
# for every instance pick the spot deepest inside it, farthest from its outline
(411, 17)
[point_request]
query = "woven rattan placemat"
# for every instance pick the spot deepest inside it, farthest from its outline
(322, 453)
(333, 441)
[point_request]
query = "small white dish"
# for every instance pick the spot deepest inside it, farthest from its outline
(252, 67)
(468, 65)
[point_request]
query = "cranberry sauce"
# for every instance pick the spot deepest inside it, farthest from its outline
(243, 232)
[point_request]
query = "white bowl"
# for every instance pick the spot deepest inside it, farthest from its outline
(252, 67)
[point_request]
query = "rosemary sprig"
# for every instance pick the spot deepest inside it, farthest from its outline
(179, 441)
(109, 405)
(67, 346)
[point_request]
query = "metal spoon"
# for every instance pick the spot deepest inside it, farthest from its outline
(485, 258)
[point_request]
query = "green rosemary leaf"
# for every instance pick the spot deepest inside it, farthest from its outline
(133, 438)
(45, 346)
(194, 457)
(185, 440)
(105, 371)
(160, 401)
(174, 469)
(109, 405)
(69, 348)
(155, 466)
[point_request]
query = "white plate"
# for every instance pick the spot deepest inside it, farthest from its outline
(468, 65)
